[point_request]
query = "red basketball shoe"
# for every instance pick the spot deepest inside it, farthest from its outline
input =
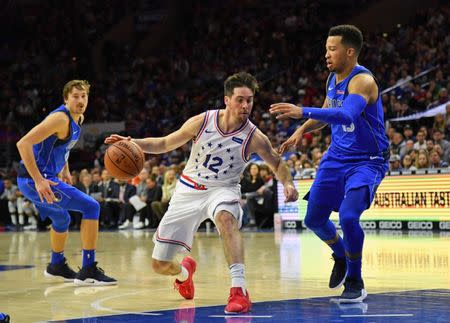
(238, 302)
(186, 288)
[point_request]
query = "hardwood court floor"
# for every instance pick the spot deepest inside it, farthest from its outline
(280, 266)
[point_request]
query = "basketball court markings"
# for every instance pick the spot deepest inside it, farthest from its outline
(408, 306)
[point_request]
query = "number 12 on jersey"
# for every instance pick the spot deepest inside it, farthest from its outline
(214, 164)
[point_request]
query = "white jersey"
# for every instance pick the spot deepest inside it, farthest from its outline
(217, 158)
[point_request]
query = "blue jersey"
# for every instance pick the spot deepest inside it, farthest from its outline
(52, 154)
(366, 135)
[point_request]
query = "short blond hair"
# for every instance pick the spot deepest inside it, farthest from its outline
(78, 84)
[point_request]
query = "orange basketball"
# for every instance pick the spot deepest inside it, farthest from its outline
(124, 159)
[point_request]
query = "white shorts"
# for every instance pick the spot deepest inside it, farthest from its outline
(188, 208)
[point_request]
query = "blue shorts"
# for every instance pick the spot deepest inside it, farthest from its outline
(336, 177)
(68, 197)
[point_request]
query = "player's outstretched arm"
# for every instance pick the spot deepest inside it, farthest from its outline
(296, 138)
(261, 145)
(54, 124)
(170, 142)
(362, 90)
(310, 125)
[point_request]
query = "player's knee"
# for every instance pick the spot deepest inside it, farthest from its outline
(312, 221)
(91, 210)
(61, 222)
(348, 220)
(160, 267)
(316, 215)
(225, 222)
(308, 221)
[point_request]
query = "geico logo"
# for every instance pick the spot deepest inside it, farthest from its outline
(420, 225)
(391, 225)
(290, 224)
(444, 225)
(368, 225)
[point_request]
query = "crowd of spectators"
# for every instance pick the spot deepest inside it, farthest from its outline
(138, 204)
(284, 49)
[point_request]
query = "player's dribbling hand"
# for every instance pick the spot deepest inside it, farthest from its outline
(294, 140)
(290, 192)
(286, 110)
(115, 138)
(45, 192)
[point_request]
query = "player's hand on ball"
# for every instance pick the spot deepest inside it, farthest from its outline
(286, 110)
(294, 140)
(115, 138)
(290, 192)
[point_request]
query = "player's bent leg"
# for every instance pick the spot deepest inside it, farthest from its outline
(58, 267)
(356, 201)
(163, 263)
(231, 237)
(162, 267)
(239, 298)
(90, 274)
(175, 235)
(184, 272)
(317, 220)
(90, 210)
(74, 199)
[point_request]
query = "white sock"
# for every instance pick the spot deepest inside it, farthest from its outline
(183, 275)
(238, 276)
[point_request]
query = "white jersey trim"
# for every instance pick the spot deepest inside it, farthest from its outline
(228, 134)
(246, 142)
(203, 127)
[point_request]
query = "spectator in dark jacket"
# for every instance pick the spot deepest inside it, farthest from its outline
(152, 193)
(109, 207)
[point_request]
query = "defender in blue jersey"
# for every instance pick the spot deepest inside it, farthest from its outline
(44, 178)
(355, 162)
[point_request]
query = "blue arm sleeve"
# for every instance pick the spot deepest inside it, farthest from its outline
(353, 106)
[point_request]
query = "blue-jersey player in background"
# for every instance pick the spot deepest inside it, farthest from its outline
(44, 178)
(356, 161)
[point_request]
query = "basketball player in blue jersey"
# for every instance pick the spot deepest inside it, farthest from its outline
(355, 162)
(45, 152)
(208, 188)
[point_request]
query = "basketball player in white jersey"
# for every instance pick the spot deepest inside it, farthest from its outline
(223, 141)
